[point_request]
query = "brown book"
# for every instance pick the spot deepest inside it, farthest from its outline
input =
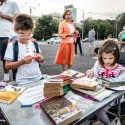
(52, 89)
(60, 110)
(53, 94)
(55, 91)
(56, 84)
(80, 83)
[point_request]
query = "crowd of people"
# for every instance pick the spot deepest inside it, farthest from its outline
(19, 53)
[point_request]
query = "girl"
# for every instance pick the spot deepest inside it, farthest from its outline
(106, 67)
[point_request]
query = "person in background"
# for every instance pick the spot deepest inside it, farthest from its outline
(8, 9)
(91, 39)
(106, 67)
(28, 59)
(12, 36)
(78, 42)
(109, 36)
(68, 35)
(121, 39)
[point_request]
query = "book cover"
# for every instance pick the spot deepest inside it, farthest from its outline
(84, 83)
(81, 102)
(10, 93)
(60, 110)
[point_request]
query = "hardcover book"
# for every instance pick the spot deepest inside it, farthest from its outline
(111, 82)
(52, 83)
(99, 94)
(84, 83)
(60, 110)
(10, 93)
(55, 91)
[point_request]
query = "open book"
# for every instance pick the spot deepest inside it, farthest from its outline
(73, 73)
(85, 83)
(10, 93)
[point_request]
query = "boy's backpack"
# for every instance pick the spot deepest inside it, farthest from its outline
(123, 36)
(16, 52)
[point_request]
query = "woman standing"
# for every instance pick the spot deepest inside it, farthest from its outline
(68, 34)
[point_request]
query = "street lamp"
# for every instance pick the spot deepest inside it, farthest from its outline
(83, 21)
(116, 27)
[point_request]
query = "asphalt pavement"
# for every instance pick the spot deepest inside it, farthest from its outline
(81, 63)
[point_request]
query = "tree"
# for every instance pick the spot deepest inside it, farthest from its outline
(102, 28)
(45, 27)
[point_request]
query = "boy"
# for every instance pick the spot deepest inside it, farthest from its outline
(28, 60)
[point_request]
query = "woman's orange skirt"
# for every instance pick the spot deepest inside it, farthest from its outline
(65, 54)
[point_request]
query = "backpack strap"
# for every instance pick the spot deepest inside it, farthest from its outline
(36, 47)
(15, 57)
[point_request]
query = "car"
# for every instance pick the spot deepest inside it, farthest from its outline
(54, 40)
(85, 40)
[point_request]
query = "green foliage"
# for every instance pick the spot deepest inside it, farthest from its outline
(102, 28)
(45, 27)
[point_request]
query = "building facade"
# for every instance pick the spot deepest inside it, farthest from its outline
(73, 10)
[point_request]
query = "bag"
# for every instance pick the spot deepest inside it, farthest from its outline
(123, 36)
(116, 121)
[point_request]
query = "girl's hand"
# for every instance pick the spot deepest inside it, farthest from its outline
(38, 57)
(89, 74)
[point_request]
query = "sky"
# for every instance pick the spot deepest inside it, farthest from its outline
(92, 8)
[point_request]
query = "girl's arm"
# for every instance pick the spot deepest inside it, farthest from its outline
(94, 71)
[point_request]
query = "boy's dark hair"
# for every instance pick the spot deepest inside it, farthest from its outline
(109, 46)
(23, 22)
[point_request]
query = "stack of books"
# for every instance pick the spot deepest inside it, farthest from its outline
(91, 87)
(56, 86)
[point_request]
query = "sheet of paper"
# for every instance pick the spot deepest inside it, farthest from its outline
(32, 95)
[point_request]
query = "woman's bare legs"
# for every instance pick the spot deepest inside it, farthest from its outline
(69, 66)
(63, 67)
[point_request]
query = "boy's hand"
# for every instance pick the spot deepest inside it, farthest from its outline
(38, 57)
(89, 74)
(27, 59)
